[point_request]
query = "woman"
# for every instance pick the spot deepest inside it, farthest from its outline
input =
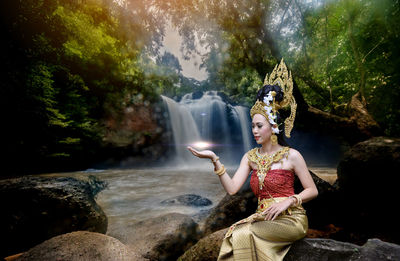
(280, 219)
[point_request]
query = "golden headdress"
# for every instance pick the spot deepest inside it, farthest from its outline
(281, 77)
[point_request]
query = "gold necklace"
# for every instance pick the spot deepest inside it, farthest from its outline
(264, 162)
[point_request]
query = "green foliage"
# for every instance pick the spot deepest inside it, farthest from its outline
(165, 76)
(243, 87)
(334, 48)
(240, 46)
(69, 64)
(346, 47)
(85, 40)
(169, 61)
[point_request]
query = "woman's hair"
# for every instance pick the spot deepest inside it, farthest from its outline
(263, 92)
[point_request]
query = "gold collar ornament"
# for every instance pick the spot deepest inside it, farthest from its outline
(264, 162)
(268, 107)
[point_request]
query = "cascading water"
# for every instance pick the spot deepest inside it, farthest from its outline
(209, 119)
(243, 114)
(184, 129)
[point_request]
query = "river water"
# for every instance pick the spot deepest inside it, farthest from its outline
(136, 194)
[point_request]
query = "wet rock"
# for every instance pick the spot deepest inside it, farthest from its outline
(229, 210)
(327, 249)
(201, 216)
(197, 95)
(307, 249)
(137, 137)
(81, 245)
(191, 200)
(322, 249)
(34, 209)
(376, 249)
(161, 238)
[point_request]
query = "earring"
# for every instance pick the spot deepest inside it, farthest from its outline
(274, 139)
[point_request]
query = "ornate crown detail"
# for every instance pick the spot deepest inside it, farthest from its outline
(281, 77)
(258, 108)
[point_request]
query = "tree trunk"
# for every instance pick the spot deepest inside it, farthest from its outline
(356, 127)
(359, 114)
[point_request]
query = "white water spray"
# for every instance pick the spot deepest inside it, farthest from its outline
(209, 119)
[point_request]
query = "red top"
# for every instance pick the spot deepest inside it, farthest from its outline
(278, 182)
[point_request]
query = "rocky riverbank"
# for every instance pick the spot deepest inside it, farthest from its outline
(307, 249)
(42, 217)
(34, 209)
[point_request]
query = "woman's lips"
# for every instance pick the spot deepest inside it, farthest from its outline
(256, 138)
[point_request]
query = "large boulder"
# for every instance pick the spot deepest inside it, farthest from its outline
(316, 249)
(307, 249)
(368, 180)
(206, 249)
(376, 249)
(78, 246)
(229, 210)
(321, 249)
(34, 209)
(370, 167)
(161, 238)
(322, 210)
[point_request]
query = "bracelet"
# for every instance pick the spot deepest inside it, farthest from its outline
(298, 200)
(215, 161)
(221, 171)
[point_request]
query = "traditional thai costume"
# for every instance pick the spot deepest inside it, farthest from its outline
(255, 238)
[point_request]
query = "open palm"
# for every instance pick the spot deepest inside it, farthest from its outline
(202, 154)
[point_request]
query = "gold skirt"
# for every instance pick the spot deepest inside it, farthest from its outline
(254, 238)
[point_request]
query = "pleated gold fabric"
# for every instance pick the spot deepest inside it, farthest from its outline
(257, 239)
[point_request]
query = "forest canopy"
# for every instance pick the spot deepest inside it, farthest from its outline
(69, 64)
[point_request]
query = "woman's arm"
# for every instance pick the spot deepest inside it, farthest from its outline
(309, 192)
(300, 168)
(231, 185)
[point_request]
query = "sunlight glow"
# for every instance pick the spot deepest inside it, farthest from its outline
(202, 144)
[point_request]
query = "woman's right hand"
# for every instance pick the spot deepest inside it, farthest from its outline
(208, 154)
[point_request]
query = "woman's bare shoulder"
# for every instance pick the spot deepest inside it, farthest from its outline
(245, 157)
(295, 154)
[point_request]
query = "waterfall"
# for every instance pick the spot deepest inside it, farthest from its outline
(184, 128)
(206, 117)
(244, 119)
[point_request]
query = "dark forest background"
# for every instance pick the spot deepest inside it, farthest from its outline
(71, 68)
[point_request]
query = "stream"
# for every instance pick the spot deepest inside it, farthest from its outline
(136, 194)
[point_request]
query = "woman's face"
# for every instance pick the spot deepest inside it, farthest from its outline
(261, 129)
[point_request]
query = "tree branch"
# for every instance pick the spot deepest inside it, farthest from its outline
(363, 59)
